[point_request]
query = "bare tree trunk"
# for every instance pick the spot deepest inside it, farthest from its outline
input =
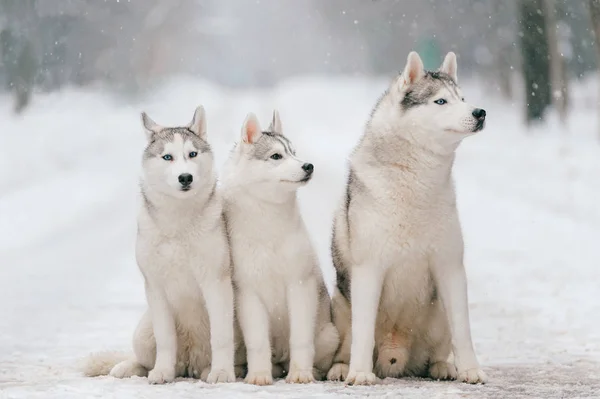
(534, 55)
(502, 56)
(595, 15)
(557, 62)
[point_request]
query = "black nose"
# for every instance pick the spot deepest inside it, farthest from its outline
(308, 168)
(185, 179)
(479, 113)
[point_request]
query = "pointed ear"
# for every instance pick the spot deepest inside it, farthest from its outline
(413, 71)
(251, 129)
(450, 66)
(150, 126)
(198, 123)
(275, 126)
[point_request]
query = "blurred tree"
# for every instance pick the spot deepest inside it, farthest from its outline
(535, 59)
(18, 50)
(502, 38)
(595, 15)
(558, 75)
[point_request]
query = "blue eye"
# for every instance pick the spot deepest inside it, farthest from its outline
(441, 101)
(276, 157)
(193, 154)
(167, 157)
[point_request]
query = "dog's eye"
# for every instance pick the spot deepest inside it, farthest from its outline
(440, 101)
(276, 157)
(167, 157)
(193, 154)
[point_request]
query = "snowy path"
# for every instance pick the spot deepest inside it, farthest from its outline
(69, 284)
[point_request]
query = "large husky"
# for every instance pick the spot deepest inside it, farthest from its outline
(283, 305)
(183, 254)
(401, 298)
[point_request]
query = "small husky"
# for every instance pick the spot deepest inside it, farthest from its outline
(401, 297)
(283, 306)
(183, 254)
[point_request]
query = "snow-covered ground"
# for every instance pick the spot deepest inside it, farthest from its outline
(69, 284)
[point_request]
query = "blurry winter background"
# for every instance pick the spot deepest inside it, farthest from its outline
(75, 74)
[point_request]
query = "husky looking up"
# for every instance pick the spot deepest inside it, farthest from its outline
(284, 308)
(183, 255)
(401, 297)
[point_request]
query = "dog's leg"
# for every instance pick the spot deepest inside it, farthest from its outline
(451, 281)
(163, 324)
(441, 363)
(302, 306)
(254, 321)
(218, 296)
(326, 344)
(342, 315)
(365, 294)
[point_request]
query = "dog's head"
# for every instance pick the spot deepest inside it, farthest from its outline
(429, 107)
(177, 161)
(265, 162)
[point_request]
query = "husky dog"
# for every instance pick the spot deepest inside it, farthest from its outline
(183, 254)
(283, 306)
(401, 297)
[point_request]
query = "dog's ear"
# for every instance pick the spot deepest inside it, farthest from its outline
(275, 125)
(251, 129)
(198, 123)
(413, 71)
(150, 127)
(450, 66)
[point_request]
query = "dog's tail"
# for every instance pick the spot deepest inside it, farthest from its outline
(101, 363)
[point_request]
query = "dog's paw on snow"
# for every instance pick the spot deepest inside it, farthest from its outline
(127, 369)
(360, 378)
(442, 371)
(300, 376)
(259, 378)
(161, 375)
(472, 376)
(220, 376)
(338, 372)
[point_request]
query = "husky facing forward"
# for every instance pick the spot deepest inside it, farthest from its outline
(284, 308)
(401, 298)
(183, 254)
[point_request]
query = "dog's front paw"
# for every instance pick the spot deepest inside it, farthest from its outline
(360, 378)
(259, 378)
(442, 371)
(161, 375)
(300, 376)
(338, 372)
(472, 376)
(128, 368)
(218, 376)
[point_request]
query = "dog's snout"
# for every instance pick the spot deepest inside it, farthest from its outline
(186, 179)
(308, 168)
(479, 113)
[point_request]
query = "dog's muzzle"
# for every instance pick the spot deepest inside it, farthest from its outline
(185, 179)
(479, 114)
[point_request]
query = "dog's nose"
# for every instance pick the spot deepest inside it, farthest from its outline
(308, 168)
(185, 179)
(479, 113)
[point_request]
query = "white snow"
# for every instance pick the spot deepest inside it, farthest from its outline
(69, 284)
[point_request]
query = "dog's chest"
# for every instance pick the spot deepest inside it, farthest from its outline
(264, 248)
(179, 259)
